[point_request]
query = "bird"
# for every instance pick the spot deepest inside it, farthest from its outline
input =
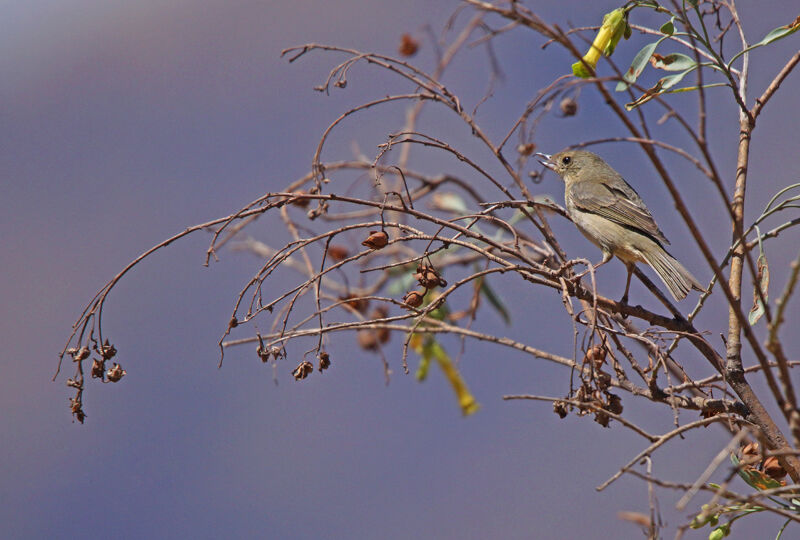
(611, 215)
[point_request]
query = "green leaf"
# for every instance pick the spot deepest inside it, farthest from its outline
(778, 33)
(661, 86)
(673, 62)
(668, 27)
(672, 80)
(495, 300)
(638, 65)
(692, 3)
(762, 278)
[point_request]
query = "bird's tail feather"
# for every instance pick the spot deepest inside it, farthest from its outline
(678, 279)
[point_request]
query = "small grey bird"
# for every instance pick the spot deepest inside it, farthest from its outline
(610, 213)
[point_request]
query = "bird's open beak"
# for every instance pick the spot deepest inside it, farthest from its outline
(546, 162)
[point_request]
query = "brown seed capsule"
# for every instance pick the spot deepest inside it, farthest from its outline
(233, 323)
(107, 350)
(526, 149)
(324, 361)
(560, 408)
(367, 339)
(98, 368)
(773, 469)
(337, 253)
(357, 303)
(602, 418)
(383, 334)
(596, 355)
(115, 373)
(79, 354)
(302, 371)
(299, 200)
(376, 240)
(408, 45)
(414, 298)
(614, 404)
(568, 106)
(428, 277)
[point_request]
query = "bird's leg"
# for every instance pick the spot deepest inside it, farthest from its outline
(629, 267)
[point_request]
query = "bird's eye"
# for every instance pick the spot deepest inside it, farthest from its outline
(565, 160)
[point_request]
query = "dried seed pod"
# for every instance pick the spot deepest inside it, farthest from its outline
(773, 468)
(414, 298)
(233, 323)
(79, 354)
(337, 253)
(357, 303)
(560, 408)
(526, 149)
(408, 45)
(614, 404)
(107, 350)
(302, 371)
(115, 373)
(98, 368)
(383, 334)
(602, 418)
(568, 106)
(376, 240)
(428, 277)
(596, 355)
(367, 339)
(299, 199)
(77, 410)
(324, 361)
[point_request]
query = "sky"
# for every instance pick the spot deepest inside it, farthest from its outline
(122, 123)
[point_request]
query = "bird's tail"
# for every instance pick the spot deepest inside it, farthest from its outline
(678, 279)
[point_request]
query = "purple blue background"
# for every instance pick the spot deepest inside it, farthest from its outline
(121, 123)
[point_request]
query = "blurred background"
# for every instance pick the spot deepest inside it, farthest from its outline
(122, 123)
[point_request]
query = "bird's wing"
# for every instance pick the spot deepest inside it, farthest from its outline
(623, 206)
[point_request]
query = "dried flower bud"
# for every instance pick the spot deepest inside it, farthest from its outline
(526, 149)
(115, 373)
(98, 368)
(428, 277)
(233, 323)
(376, 240)
(324, 361)
(302, 371)
(337, 253)
(568, 106)
(414, 298)
(560, 408)
(773, 468)
(408, 45)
